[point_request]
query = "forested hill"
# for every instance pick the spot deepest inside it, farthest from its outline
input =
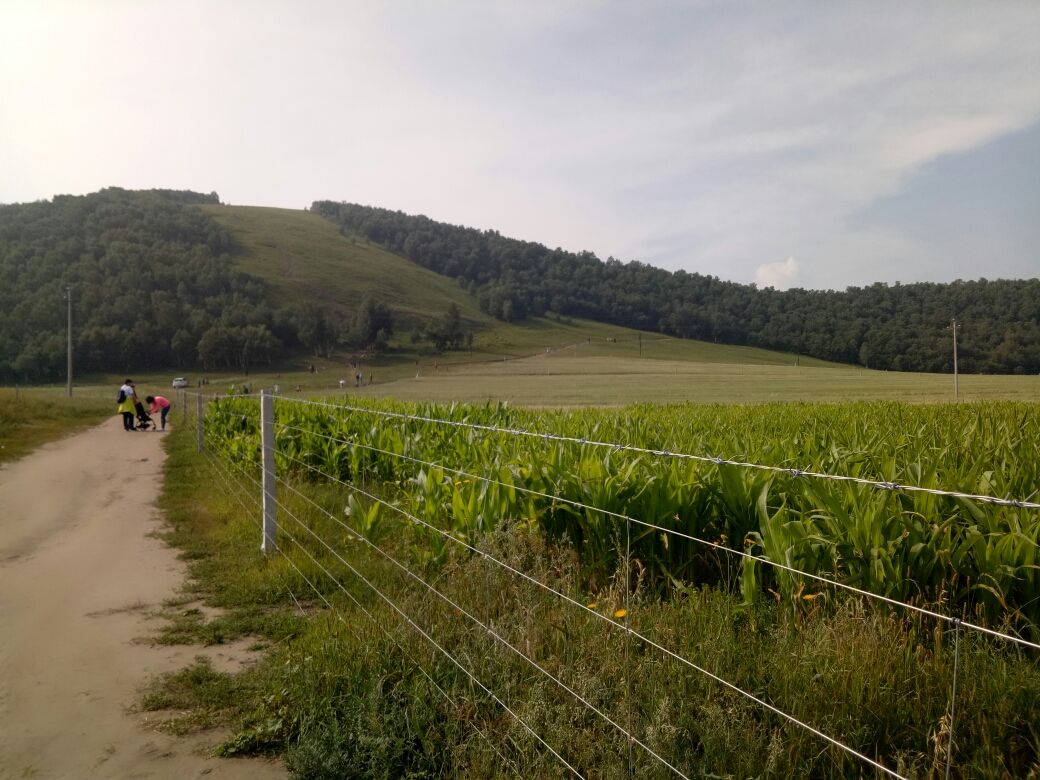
(151, 280)
(901, 327)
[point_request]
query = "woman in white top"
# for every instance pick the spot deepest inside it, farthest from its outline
(126, 398)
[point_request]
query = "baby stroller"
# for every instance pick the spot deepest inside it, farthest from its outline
(144, 420)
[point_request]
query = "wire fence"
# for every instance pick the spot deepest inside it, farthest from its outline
(294, 506)
(242, 486)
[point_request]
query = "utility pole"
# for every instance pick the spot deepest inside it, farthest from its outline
(956, 383)
(68, 373)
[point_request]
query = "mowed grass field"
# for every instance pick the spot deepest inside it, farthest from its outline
(573, 380)
(546, 363)
(591, 376)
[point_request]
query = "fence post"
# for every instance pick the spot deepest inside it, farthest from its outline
(198, 421)
(953, 692)
(269, 477)
(628, 643)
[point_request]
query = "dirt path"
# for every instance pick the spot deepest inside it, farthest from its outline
(79, 575)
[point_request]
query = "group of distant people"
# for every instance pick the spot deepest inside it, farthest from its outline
(135, 416)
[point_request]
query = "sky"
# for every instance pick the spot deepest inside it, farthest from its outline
(788, 144)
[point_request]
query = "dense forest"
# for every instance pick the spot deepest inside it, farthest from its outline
(900, 327)
(152, 287)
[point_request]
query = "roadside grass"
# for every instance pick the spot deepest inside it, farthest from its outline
(201, 697)
(218, 542)
(350, 688)
(29, 418)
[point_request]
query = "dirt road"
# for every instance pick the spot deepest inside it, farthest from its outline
(79, 576)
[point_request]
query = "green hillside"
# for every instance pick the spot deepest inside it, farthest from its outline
(173, 282)
(303, 257)
(902, 327)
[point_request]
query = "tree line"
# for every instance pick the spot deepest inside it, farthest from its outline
(153, 286)
(901, 327)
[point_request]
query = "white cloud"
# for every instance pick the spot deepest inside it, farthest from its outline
(709, 136)
(778, 275)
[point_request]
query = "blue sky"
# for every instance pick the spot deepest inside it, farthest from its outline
(792, 144)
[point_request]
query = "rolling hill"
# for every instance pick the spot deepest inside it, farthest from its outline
(174, 281)
(902, 327)
(302, 257)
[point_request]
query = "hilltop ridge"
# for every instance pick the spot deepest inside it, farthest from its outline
(900, 327)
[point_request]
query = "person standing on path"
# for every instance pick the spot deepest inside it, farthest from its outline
(156, 403)
(127, 394)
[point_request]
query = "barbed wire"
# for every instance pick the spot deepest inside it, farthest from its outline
(674, 532)
(418, 521)
(417, 627)
(719, 461)
(339, 616)
(488, 629)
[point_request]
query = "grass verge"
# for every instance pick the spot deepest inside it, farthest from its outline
(350, 688)
(29, 418)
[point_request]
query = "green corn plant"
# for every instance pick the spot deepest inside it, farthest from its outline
(908, 545)
(366, 521)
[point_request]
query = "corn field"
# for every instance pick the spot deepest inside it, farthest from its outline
(968, 558)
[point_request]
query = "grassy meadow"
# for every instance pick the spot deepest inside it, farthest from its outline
(31, 417)
(555, 365)
(572, 380)
(543, 361)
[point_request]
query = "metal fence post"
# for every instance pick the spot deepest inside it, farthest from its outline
(198, 421)
(269, 476)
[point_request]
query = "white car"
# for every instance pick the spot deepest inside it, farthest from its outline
(179, 382)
